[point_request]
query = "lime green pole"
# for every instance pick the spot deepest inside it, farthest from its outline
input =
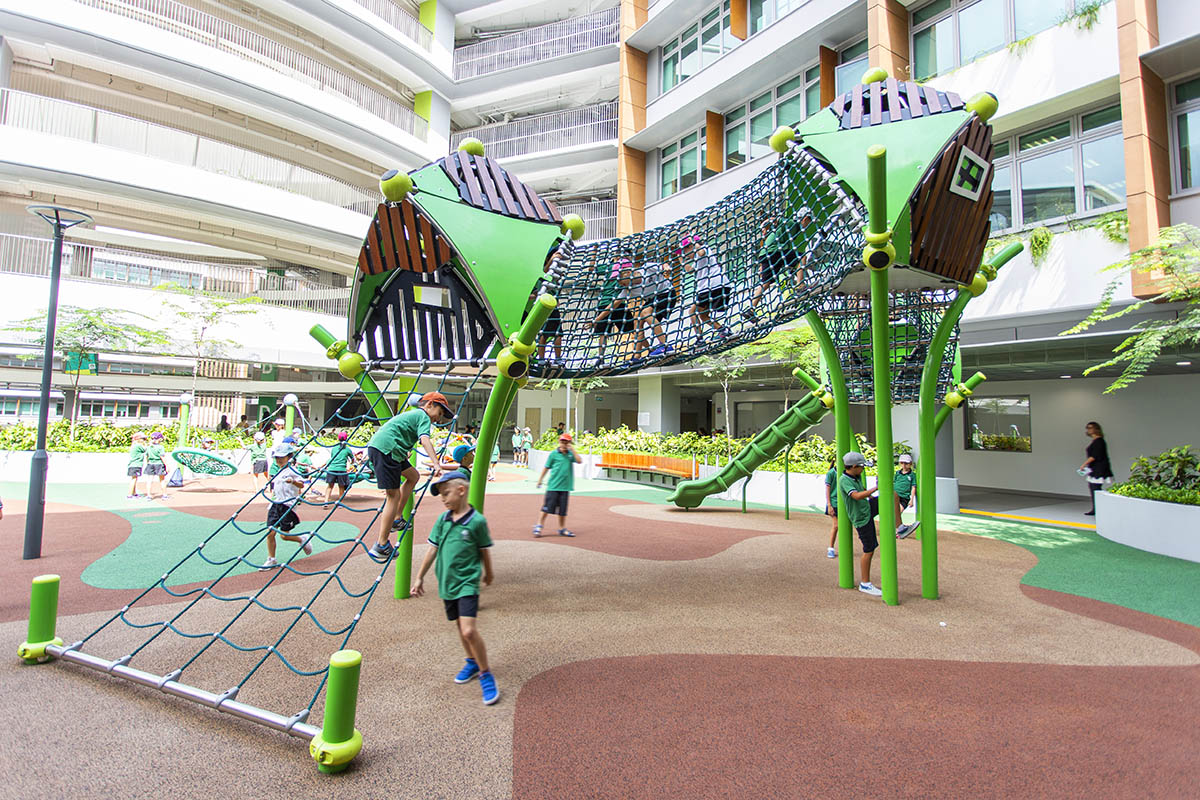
(513, 365)
(402, 583)
(955, 398)
(878, 256)
(350, 365)
(43, 618)
(927, 424)
(289, 418)
(185, 411)
(339, 741)
(844, 440)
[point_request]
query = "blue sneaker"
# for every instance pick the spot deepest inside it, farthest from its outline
(469, 671)
(661, 350)
(381, 552)
(490, 693)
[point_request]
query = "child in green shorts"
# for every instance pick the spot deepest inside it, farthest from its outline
(458, 546)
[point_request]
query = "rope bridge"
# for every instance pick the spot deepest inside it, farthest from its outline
(171, 646)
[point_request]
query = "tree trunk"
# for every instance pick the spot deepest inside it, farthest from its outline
(728, 421)
(74, 407)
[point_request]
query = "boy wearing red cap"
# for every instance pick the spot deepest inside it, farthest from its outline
(561, 466)
(389, 450)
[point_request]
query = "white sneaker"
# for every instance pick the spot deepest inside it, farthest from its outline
(905, 531)
(305, 543)
(831, 553)
(868, 588)
(269, 564)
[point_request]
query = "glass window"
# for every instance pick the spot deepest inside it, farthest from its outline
(735, 114)
(1047, 186)
(705, 172)
(1104, 172)
(1034, 16)
(999, 149)
(854, 51)
(933, 50)
(849, 74)
(761, 128)
(735, 145)
(1188, 134)
(1002, 217)
(999, 424)
(1187, 91)
(689, 140)
(688, 166)
(760, 102)
(981, 29)
(710, 45)
(787, 87)
(1098, 119)
(812, 99)
(757, 11)
(689, 60)
(670, 75)
(926, 13)
(1051, 133)
(790, 111)
(670, 177)
(669, 150)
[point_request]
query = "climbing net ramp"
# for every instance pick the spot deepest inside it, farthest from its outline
(250, 640)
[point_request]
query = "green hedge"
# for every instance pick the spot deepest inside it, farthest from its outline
(810, 454)
(104, 437)
(1164, 494)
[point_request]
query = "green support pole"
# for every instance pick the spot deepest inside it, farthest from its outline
(927, 414)
(965, 390)
(878, 239)
(513, 362)
(787, 507)
(339, 741)
(43, 619)
(402, 584)
(745, 485)
(844, 439)
(350, 365)
(289, 418)
(185, 410)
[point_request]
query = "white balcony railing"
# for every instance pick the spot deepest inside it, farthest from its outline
(61, 118)
(399, 19)
(29, 255)
(600, 217)
(566, 37)
(544, 132)
(229, 38)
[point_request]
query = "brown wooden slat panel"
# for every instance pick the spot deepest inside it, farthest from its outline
(496, 172)
(916, 103)
(429, 244)
(953, 100)
(876, 104)
(931, 97)
(928, 223)
(414, 248)
(388, 236)
(469, 179)
(522, 196)
(450, 167)
(892, 92)
(488, 184)
(533, 200)
(364, 261)
(555, 214)
(856, 106)
(399, 236)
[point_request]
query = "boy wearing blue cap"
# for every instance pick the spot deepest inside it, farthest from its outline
(458, 551)
(464, 454)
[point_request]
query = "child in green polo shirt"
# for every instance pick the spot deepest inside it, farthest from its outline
(561, 466)
(831, 493)
(389, 450)
(464, 454)
(258, 457)
(458, 546)
(516, 446)
(862, 508)
(904, 483)
(137, 459)
(336, 470)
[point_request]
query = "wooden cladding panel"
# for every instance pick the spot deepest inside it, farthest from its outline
(402, 237)
(484, 184)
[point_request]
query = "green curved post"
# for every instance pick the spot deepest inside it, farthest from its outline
(339, 741)
(43, 619)
(503, 394)
(350, 365)
(945, 411)
(843, 440)
(289, 418)
(881, 341)
(185, 412)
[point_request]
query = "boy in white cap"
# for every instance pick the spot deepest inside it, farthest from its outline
(285, 490)
(278, 432)
(905, 483)
(862, 508)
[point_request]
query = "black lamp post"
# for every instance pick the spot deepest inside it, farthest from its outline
(61, 219)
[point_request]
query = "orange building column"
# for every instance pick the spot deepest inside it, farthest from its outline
(631, 118)
(887, 37)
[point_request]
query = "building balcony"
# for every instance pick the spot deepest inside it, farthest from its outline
(572, 37)
(571, 131)
(599, 216)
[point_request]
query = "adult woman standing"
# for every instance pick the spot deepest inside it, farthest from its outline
(1096, 466)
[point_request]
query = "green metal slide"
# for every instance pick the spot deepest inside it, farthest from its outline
(779, 434)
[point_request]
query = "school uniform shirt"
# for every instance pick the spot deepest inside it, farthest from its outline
(527, 440)
(277, 437)
(458, 564)
(516, 441)
(562, 472)
(831, 480)
(338, 457)
(400, 434)
(904, 484)
(859, 511)
(155, 453)
(282, 490)
(137, 455)
(258, 452)
(710, 273)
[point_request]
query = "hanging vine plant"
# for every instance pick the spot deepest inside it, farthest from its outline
(1039, 244)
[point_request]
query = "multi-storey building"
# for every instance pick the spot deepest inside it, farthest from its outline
(236, 147)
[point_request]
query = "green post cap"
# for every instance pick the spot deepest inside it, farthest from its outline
(46, 579)
(985, 104)
(345, 658)
(780, 138)
(471, 145)
(874, 75)
(574, 224)
(350, 365)
(395, 185)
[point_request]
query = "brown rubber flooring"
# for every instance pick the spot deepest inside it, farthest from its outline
(658, 653)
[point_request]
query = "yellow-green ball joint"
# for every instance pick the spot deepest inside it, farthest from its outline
(985, 104)
(520, 348)
(877, 257)
(822, 394)
(780, 138)
(574, 224)
(512, 365)
(955, 398)
(875, 75)
(472, 146)
(335, 756)
(335, 350)
(978, 284)
(395, 185)
(350, 365)
(35, 652)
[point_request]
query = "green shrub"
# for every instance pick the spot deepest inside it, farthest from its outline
(1177, 468)
(104, 437)
(1164, 494)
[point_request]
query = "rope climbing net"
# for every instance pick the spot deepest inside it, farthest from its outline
(767, 254)
(181, 634)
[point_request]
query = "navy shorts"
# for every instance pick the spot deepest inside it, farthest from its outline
(462, 607)
(771, 264)
(715, 299)
(556, 503)
(389, 473)
(281, 517)
(553, 326)
(260, 467)
(134, 472)
(662, 303)
(903, 502)
(867, 534)
(338, 479)
(156, 469)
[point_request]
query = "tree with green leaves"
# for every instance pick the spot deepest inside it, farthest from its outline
(795, 347)
(86, 331)
(197, 315)
(726, 367)
(1173, 264)
(580, 386)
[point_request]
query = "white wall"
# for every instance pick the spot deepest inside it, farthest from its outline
(698, 197)
(1186, 208)
(1177, 20)
(1153, 415)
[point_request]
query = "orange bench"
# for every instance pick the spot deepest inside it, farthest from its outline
(643, 468)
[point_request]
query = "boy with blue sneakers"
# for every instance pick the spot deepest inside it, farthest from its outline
(458, 551)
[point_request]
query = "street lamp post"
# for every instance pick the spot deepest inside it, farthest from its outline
(61, 219)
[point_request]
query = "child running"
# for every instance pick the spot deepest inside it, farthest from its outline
(862, 509)
(336, 473)
(258, 458)
(137, 459)
(389, 451)
(458, 551)
(904, 483)
(285, 489)
(156, 466)
(561, 466)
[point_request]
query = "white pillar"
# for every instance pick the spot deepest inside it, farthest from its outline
(658, 397)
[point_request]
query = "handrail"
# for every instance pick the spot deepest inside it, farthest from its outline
(541, 132)
(227, 37)
(400, 19)
(540, 43)
(88, 263)
(74, 121)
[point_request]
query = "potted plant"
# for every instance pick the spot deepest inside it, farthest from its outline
(1158, 508)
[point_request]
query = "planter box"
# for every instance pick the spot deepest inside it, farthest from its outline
(1169, 529)
(588, 469)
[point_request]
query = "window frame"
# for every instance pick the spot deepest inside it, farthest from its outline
(1174, 111)
(674, 45)
(1075, 141)
(971, 408)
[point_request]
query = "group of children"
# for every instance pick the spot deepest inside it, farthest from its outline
(522, 443)
(147, 457)
(862, 506)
